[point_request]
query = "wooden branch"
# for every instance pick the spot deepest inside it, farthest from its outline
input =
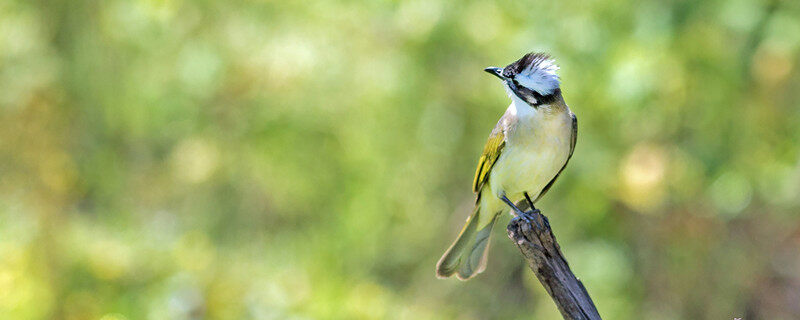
(532, 234)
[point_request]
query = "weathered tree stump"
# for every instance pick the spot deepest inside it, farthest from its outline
(532, 234)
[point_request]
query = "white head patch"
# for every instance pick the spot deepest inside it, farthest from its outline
(539, 74)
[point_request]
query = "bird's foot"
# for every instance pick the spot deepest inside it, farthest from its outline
(533, 217)
(533, 213)
(530, 217)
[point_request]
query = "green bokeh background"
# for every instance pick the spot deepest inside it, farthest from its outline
(176, 159)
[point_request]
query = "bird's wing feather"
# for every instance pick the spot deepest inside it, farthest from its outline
(573, 139)
(494, 146)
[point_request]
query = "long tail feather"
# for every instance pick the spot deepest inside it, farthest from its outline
(474, 260)
(451, 259)
(467, 255)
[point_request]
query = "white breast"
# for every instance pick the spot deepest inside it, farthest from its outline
(537, 146)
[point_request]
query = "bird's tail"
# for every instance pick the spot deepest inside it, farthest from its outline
(467, 255)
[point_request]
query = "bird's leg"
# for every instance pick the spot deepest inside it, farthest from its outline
(530, 202)
(534, 211)
(512, 205)
(520, 214)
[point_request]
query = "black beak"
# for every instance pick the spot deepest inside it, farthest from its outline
(495, 71)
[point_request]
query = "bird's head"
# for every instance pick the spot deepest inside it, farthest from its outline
(532, 78)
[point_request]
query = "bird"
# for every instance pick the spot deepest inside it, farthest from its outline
(526, 152)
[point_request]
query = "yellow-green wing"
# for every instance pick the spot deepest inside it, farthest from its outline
(492, 150)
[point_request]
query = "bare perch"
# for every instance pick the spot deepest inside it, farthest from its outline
(535, 240)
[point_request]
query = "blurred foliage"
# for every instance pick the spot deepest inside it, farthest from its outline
(174, 159)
